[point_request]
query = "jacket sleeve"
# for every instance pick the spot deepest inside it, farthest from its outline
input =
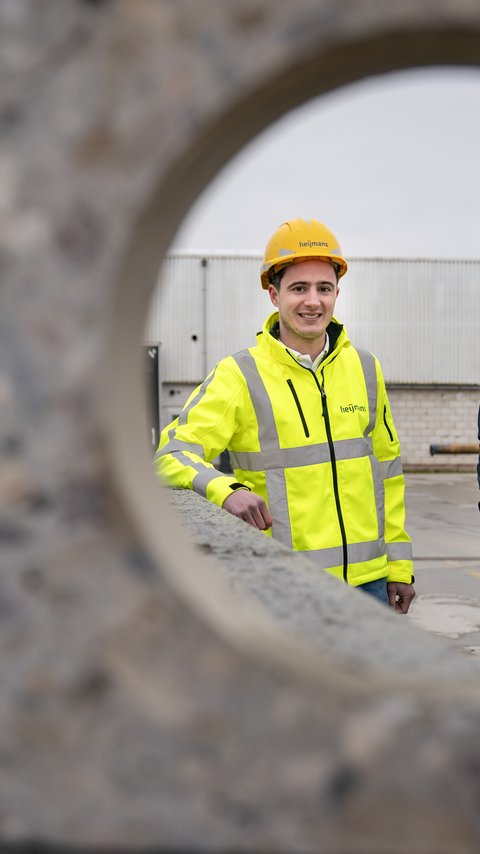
(209, 419)
(386, 447)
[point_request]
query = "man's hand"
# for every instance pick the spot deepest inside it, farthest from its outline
(400, 596)
(249, 507)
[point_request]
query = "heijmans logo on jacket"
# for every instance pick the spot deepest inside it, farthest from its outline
(353, 407)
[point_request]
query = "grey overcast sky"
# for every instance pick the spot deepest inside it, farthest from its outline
(390, 164)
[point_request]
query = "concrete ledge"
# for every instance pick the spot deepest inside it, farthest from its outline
(345, 624)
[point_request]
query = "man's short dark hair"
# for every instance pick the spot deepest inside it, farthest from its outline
(277, 277)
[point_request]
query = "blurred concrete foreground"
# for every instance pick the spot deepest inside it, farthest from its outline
(151, 700)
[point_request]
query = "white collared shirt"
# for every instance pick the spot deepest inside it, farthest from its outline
(306, 360)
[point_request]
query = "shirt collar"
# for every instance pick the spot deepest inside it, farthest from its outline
(306, 360)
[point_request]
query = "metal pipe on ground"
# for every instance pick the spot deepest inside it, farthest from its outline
(454, 449)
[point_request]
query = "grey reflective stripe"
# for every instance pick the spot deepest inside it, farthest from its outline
(350, 449)
(391, 468)
(176, 445)
(303, 455)
(368, 365)
(399, 551)
(183, 417)
(357, 553)
(379, 490)
(203, 478)
(173, 445)
(267, 429)
(186, 461)
(278, 506)
(367, 361)
(269, 444)
(205, 473)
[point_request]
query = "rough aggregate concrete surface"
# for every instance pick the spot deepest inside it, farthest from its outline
(312, 604)
(128, 719)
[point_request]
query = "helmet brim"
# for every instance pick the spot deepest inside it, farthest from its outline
(339, 264)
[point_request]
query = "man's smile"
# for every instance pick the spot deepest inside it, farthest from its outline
(309, 314)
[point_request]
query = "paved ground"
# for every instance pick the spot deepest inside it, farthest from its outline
(444, 523)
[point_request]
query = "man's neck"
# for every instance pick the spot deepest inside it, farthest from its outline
(307, 347)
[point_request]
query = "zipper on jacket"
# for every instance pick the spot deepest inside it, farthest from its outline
(334, 474)
(386, 423)
(300, 412)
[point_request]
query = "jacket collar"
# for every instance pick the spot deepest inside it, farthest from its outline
(268, 338)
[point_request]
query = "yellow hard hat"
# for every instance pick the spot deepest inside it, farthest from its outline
(299, 240)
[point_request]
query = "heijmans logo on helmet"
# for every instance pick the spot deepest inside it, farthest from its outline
(308, 243)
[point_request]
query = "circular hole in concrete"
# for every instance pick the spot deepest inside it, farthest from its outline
(147, 504)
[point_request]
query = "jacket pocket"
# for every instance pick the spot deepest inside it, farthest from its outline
(300, 412)
(386, 423)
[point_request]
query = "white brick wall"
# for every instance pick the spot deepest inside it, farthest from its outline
(429, 416)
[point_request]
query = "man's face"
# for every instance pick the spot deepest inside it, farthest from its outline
(305, 301)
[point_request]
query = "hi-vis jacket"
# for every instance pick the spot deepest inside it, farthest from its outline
(319, 447)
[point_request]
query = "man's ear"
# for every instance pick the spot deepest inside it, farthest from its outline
(273, 294)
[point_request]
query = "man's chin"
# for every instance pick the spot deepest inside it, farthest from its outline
(311, 333)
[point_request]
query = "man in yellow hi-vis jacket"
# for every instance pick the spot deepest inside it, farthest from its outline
(306, 420)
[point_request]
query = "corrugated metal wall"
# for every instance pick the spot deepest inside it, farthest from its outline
(204, 308)
(420, 317)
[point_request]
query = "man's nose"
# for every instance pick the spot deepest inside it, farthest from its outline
(312, 297)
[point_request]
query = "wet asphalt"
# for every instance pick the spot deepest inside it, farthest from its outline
(443, 521)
